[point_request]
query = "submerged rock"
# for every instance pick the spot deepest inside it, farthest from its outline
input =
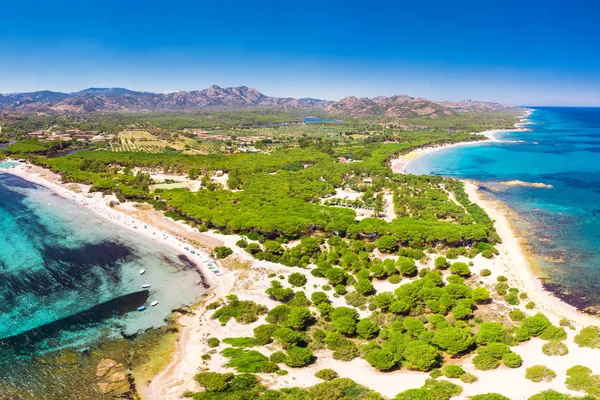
(112, 377)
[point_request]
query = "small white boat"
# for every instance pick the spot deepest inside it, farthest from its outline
(146, 285)
(155, 302)
(142, 271)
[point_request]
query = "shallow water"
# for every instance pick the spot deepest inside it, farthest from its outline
(71, 279)
(561, 224)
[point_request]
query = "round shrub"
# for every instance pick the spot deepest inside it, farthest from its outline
(517, 315)
(553, 333)
(467, 377)
(530, 305)
(588, 337)
(364, 286)
(298, 357)
(435, 373)
(512, 299)
(326, 374)
(555, 349)
(485, 362)
(501, 278)
(522, 335)
(406, 266)
(366, 329)
(387, 244)
(441, 389)
(213, 342)
(381, 359)
(319, 297)
(460, 269)
(481, 295)
(395, 279)
(536, 324)
(221, 252)
(214, 381)
(539, 373)
(345, 325)
(413, 394)
(512, 360)
(485, 272)
(453, 371)
(297, 279)
(496, 350)
(489, 396)
(461, 312)
(441, 263)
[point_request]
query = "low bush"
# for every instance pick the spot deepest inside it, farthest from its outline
(512, 360)
(555, 349)
(244, 312)
(326, 374)
(213, 342)
(588, 337)
(250, 361)
(214, 381)
(540, 373)
(489, 396)
(517, 315)
(467, 377)
(460, 269)
(297, 279)
(221, 252)
(485, 362)
(485, 272)
(453, 371)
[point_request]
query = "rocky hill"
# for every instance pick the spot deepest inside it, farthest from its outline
(217, 98)
(404, 106)
(124, 100)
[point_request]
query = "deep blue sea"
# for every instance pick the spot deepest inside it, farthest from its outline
(561, 224)
(69, 279)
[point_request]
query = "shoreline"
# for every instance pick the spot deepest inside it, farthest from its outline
(400, 164)
(189, 324)
(517, 266)
(513, 245)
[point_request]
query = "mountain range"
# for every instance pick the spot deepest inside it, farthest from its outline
(217, 98)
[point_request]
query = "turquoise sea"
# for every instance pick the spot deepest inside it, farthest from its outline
(69, 279)
(561, 224)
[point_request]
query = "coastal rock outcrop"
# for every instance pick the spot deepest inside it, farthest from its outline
(112, 377)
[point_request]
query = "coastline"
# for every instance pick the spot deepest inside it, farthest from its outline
(189, 323)
(513, 260)
(400, 164)
(249, 284)
(515, 265)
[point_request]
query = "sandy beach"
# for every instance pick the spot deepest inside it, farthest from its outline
(400, 164)
(248, 278)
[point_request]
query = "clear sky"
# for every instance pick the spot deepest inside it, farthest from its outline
(518, 52)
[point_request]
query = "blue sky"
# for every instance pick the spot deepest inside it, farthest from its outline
(518, 52)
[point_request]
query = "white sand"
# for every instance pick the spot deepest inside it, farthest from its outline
(400, 164)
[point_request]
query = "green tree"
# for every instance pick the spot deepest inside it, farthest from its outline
(366, 329)
(364, 286)
(214, 381)
(453, 340)
(420, 356)
(298, 357)
(297, 279)
(387, 244)
(381, 359)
